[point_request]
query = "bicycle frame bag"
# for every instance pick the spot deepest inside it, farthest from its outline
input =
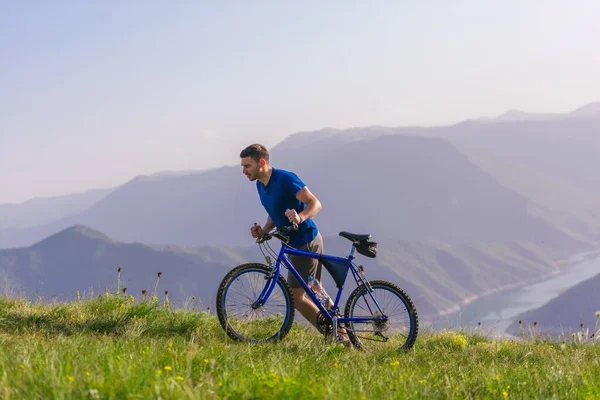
(337, 269)
(367, 248)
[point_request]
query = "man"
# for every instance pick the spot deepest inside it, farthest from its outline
(288, 200)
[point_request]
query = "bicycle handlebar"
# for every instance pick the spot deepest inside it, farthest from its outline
(288, 229)
(278, 234)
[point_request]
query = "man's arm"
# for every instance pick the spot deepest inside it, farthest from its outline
(258, 231)
(268, 226)
(313, 205)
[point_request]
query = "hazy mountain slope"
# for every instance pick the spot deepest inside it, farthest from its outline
(39, 211)
(415, 189)
(399, 187)
(562, 204)
(565, 149)
(448, 276)
(79, 258)
(438, 277)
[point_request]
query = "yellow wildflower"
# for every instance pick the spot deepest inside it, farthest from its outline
(167, 368)
(394, 363)
(179, 378)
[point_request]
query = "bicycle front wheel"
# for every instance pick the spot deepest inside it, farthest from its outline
(241, 318)
(388, 317)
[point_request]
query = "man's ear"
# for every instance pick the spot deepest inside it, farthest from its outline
(262, 163)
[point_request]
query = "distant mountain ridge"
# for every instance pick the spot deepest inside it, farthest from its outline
(591, 110)
(43, 210)
(362, 171)
(398, 187)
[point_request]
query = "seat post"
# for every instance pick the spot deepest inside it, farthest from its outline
(352, 251)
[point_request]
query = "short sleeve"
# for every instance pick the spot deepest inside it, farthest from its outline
(292, 184)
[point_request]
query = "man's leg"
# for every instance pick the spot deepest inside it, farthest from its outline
(305, 306)
(309, 267)
(306, 267)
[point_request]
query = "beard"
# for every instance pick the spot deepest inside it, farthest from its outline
(253, 175)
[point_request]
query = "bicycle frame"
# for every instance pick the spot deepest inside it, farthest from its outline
(285, 249)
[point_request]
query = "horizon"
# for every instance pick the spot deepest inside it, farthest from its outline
(95, 94)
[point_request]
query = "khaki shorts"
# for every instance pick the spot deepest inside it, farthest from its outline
(305, 265)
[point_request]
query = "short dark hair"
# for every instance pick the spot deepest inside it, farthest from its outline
(256, 151)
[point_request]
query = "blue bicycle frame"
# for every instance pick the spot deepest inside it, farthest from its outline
(286, 249)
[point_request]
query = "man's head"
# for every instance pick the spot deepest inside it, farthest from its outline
(255, 161)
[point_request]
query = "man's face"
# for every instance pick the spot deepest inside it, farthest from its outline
(250, 168)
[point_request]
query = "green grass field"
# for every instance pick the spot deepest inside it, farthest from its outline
(118, 348)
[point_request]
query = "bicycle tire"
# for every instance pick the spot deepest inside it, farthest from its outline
(237, 317)
(371, 335)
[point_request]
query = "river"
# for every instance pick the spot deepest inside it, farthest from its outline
(497, 311)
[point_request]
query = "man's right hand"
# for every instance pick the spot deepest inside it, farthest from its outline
(256, 231)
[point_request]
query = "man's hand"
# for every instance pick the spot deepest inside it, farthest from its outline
(293, 216)
(256, 231)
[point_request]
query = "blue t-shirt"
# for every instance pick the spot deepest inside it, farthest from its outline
(280, 195)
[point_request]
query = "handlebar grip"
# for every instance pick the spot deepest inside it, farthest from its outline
(290, 228)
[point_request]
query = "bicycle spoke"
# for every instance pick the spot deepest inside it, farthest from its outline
(389, 321)
(255, 323)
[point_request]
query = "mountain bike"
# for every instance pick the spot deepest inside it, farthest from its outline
(255, 303)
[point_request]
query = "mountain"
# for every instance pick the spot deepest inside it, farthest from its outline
(397, 187)
(563, 205)
(591, 110)
(516, 115)
(80, 258)
(565, 149)
(40, 211)
(438, 277)
(564, 314)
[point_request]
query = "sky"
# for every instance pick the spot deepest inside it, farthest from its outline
(93, 94)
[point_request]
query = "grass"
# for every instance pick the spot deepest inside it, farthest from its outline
(114, 348)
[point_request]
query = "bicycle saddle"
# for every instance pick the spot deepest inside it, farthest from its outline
(355, 237)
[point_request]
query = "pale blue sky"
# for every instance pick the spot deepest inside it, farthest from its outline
(94, 93)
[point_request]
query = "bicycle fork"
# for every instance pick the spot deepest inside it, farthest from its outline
(271, 281)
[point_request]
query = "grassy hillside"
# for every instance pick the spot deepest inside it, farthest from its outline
(108, 348)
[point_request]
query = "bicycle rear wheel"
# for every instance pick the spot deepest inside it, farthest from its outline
(241, 321)
(399, 329)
